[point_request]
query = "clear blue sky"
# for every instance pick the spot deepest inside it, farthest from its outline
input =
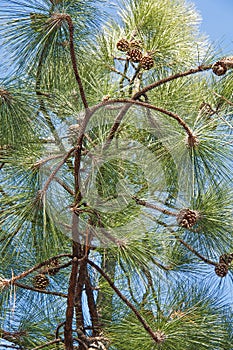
(217, 21)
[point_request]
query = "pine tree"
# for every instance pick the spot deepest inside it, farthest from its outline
(116, 172)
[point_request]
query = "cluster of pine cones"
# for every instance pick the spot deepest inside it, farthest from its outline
(221, 269)
(134, 53)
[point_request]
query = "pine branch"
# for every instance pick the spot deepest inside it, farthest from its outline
(41, 162)
(73, 59)
(64, 185)
(68, 337)
(224, 98)
(136, 75)
(25, 286)
(127, 302)
(57, 268)
(121, 82)
(58, 328)
(116, 125)
(124, 76)
(34, 268)
(92, 305)
(189, 247)
(170, 78)
(147, 105)
(153, 206)
(55, 341)
(125, 108)
(78, 304)
(53, 174)
(142, 93)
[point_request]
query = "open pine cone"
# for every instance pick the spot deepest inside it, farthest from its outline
(40, 281)
(219, 68)
(221, 269)
(123, 45)
(187, 218)
(147, 62)
(134, 55)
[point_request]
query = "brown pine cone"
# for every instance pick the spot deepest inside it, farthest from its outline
(147, 62)
(123, 45)
(219, 68)
(187, 218)
(134, 55)
(221, 269)
(40, 281)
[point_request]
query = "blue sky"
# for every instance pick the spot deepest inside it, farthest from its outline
(217, 21)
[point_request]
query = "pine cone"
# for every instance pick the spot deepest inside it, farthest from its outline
(187, 218)
(123, 45)
(221, 269)
(219, 68)
(134, 55)
(147, 62)
(40, 281)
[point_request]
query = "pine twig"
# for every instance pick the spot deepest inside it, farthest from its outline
(58, 328)
(135, 76)
(68, 336)
(130, 102)
(47, 344)
(116, 124)
(36, 267)
(189, 247)
(78, 304)
(113, 69)
(41, 162)
(170, 78)
(53, 174)
(91, 305)
(224, 98)
(73, 59)
(153, 206)
(121, 82)
(142, 93)
(25, 286)
(64, 185)
(126, 301)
